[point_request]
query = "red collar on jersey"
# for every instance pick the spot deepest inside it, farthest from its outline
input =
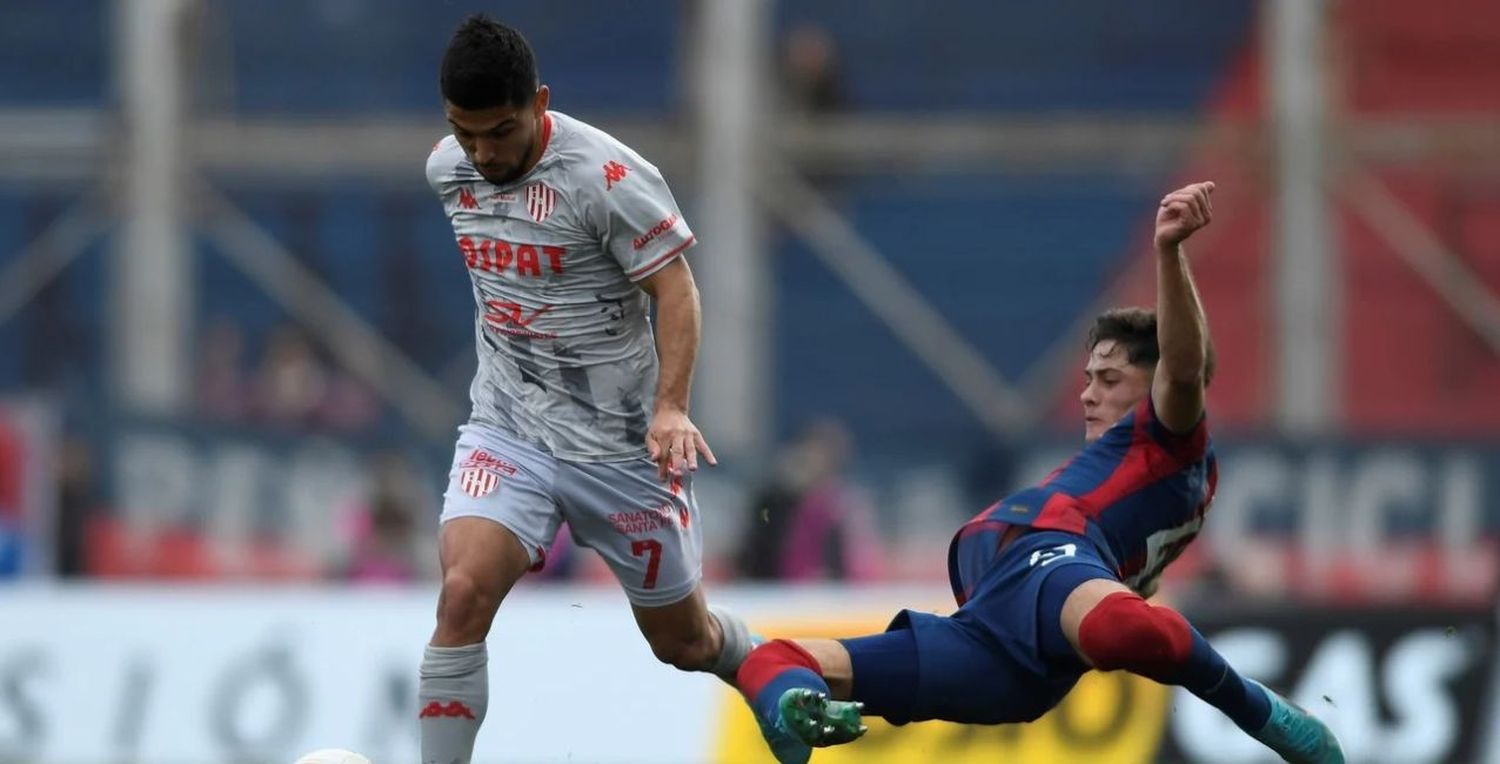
(546, 139)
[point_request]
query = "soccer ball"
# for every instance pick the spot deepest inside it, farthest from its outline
(332, 756)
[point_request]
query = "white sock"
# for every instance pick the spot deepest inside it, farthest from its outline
(737, 643)
(452, 698)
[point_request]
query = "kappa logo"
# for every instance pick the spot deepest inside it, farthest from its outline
(466, 199)
(452, 710)
(614, 172)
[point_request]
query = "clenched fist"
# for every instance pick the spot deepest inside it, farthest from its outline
(1182, 212)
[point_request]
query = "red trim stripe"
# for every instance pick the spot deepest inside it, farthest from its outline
(646, 269)
(1146, 462)
(1061, 513)
(978, 525)
(546, 133)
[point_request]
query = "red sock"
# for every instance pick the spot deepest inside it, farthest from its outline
(1124, 631)
(766, 662)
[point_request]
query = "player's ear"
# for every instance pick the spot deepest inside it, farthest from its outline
(539, 104)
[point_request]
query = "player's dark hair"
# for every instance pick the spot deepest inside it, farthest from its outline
(488, 64)
(1135, 330)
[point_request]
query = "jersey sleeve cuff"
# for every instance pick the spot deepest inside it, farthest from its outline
(662, 261)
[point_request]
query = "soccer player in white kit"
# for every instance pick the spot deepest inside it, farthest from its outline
(567, 234)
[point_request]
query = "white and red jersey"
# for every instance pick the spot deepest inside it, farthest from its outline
(567, 360)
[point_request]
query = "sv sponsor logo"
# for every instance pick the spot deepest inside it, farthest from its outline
(514, 319)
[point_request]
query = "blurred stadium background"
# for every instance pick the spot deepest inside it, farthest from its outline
(235, 340)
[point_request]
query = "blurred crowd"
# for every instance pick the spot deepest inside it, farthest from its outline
(293, 385)
(806, 519)
(265, 385)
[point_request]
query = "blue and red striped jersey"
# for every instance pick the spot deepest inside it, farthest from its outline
(1139, 491)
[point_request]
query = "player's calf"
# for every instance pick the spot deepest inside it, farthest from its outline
(1125, 632)
(693, 637)
(693, 651)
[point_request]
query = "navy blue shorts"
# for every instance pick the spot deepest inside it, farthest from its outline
(1001, 657)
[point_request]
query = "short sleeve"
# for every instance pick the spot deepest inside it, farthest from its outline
(445, 154)
(637, 218)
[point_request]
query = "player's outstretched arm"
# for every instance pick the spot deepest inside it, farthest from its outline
(673, 440)
(1181, 329)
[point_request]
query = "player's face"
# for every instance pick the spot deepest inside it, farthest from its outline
(501, 141)
(1112, 386)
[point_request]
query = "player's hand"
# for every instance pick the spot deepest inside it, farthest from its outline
(674, 443)
(1182, 212)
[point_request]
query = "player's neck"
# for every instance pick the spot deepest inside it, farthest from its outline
(540, 146)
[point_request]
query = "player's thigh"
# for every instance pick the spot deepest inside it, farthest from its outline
(967, 677)
(481, 559)
(647, 531)
(499, 516)
(1062, 577)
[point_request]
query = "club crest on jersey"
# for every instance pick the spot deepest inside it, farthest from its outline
(480, 473)
(478, 482)
(540, 201)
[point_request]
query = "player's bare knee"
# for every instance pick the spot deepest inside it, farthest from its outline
(464, 604)
(687, 656)
(688, 652)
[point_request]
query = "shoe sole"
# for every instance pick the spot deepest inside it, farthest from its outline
(820, 721)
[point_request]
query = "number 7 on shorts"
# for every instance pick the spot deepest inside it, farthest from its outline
(650, 547)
